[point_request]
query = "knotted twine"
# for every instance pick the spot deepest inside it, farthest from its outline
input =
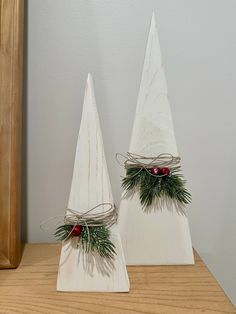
(106, 218)
(87, 219)
(132, 160)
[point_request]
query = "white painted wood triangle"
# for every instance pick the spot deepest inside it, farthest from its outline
(161, 237)
(91, 186)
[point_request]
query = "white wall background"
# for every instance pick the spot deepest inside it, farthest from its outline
(68, 38)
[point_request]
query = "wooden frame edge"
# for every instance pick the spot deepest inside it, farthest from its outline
(11, 79)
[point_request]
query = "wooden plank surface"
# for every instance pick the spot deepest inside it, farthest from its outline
(154, 289)
(11, 57)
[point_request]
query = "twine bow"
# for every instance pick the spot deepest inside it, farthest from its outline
(132, 160)
(106, 218)
(87, 219)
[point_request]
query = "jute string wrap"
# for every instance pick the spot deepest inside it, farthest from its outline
(106, 218)
(143, 162)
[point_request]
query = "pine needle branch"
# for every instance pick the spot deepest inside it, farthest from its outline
(169, 187)
(91, 239)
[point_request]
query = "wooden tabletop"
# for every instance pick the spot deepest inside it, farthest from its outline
(154, 289)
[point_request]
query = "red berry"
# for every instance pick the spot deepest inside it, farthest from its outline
(165, 171)
(155, 171)
(76, 230)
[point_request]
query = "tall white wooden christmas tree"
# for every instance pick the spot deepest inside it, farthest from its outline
(156, 237)
(78, 270)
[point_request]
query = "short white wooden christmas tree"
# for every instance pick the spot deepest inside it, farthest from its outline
(79, 270)
(156, 237)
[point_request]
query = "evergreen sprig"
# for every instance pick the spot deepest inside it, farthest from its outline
(91, 239)
(164, 188)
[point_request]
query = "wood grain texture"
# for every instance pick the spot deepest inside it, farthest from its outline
(11, 57)
(154, 289)
(165, 237)
(79, 271)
